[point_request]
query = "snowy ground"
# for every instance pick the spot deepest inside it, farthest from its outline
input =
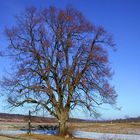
(15, 132)
(80, 134)
(105, 136)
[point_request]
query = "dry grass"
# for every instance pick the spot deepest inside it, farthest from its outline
(19, 125)
(47, 137)
(123, 128)
(5, 138)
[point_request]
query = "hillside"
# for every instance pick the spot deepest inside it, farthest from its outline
(5, 117)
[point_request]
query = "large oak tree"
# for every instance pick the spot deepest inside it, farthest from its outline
(60, 62)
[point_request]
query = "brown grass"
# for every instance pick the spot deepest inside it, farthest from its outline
(123, 128)
(47, 137)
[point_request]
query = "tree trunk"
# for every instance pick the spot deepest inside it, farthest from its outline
(63, 124)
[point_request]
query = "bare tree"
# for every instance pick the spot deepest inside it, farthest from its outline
(60, 62)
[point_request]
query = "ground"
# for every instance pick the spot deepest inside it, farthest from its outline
(5, 138)
(48, 137)
(122, 128)
(36, 137)
(117, 128)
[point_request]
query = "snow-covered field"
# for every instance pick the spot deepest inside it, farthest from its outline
(105, 136)
(15, 132)
(80, 134)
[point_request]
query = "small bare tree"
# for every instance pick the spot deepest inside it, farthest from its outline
(60, 62)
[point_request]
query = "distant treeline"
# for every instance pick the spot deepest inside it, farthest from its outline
(23, 118)
(130, 119)
(133, 119)
(5, 117)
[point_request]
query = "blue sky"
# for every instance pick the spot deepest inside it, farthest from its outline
(119, 17)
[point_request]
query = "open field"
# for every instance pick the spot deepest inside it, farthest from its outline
(36, 137)
(48, 137)
(5, 138)
(17, 122)
(117, 128)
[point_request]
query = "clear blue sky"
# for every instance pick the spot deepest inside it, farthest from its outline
(122, 19)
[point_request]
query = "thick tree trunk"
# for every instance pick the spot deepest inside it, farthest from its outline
(63, 124)
(63, 128)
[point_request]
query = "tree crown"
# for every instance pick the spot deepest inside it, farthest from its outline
(61, 61)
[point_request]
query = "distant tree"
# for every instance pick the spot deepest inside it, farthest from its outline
(60, 62)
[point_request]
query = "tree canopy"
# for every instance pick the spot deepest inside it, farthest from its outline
(60, 62)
